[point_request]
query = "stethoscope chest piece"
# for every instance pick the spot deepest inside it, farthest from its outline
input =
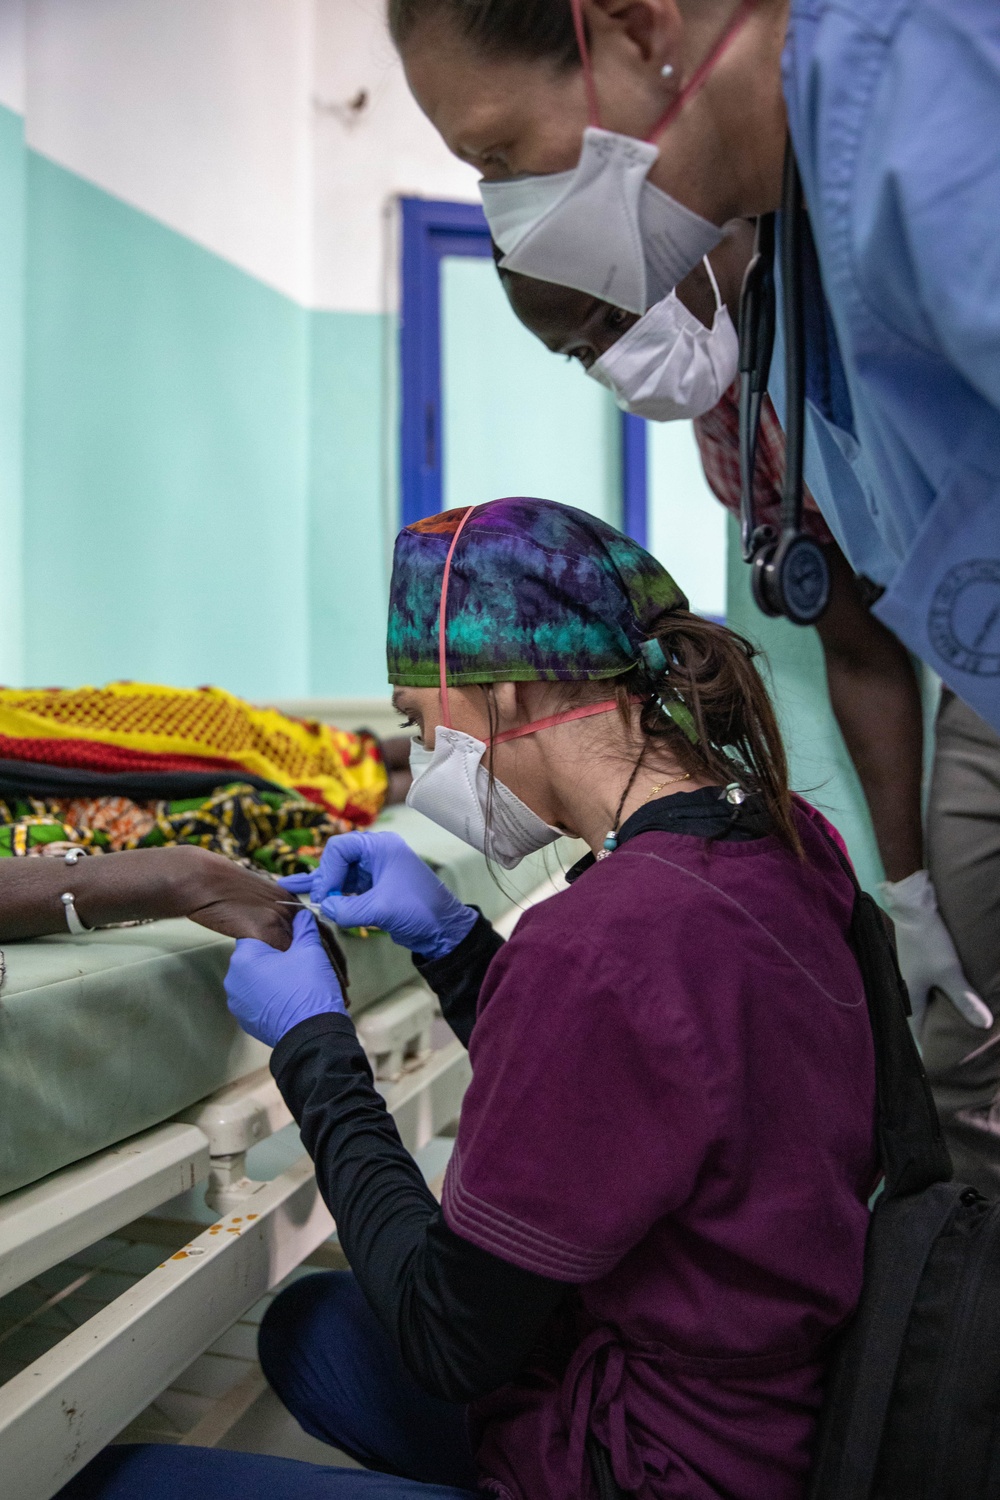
(791, 577)
(789, 571)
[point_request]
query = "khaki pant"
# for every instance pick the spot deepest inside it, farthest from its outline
(963, 856)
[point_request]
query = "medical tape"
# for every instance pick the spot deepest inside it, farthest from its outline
(305, 903)
(693, 84)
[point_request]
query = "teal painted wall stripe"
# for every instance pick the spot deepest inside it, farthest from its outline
(12, 291)
(165, 460)
(203, 495)
(347, 540)
(820, 767)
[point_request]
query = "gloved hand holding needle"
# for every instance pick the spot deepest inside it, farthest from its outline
(270, 991)
(376, 880)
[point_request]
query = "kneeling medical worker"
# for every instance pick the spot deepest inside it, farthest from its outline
(655, 1214)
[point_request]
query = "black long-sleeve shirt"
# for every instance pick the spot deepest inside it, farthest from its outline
(458, 978)
(463, 1320)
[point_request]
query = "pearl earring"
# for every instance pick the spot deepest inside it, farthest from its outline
(667, 71)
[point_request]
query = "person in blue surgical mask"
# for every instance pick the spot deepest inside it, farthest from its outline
(616, 137)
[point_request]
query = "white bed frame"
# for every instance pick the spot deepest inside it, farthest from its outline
(56, 1414)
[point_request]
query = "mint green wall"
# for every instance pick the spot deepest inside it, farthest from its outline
(12, 288)
(349, 531)
(687, 525)
(819, 764)
(165, 458)
(516, 420)
(202, 490)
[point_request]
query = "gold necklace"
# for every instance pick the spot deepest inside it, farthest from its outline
(671, 781)
(611, 839)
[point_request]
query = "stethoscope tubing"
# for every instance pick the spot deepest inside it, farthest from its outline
(790, 572)
(757, 324)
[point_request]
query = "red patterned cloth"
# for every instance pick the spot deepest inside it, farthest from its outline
(718, 437)
(94, 755)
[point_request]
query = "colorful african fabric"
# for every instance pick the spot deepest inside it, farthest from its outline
(135, 726)
(277, 831)
(537, 592)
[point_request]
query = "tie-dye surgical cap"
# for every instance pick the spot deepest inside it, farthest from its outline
(536, 592)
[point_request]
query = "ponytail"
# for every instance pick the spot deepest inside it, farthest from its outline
(708, 699)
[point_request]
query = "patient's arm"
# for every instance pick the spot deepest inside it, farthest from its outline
(875, 698)
(180, 881)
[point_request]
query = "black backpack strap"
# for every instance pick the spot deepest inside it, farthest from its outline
(863, 1372)
(911, 1147)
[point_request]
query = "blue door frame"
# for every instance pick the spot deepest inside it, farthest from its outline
(432, 230)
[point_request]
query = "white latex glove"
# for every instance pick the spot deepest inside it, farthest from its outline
(927, 957)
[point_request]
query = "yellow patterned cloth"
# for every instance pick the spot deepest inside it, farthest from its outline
(341, 770)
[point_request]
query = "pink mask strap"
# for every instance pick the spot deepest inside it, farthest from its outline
(586, 712)
(693, 84)
(593, 111)
(703, 69)
(442, 622)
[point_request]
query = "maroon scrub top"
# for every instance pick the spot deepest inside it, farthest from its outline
(672, 1108)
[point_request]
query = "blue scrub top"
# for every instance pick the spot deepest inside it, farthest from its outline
(834, 468)
(894, 111)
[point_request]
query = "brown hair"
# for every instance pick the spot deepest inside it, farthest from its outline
(539, 30)
(707, 704)
(724, 727)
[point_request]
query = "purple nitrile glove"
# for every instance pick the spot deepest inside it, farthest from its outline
(270, 991)
(376, 880)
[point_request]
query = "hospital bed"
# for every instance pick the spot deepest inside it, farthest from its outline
(127, 1093)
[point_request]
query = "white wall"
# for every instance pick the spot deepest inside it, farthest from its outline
(12, 24)
(390, 149)
(226, 120)
(195, 112)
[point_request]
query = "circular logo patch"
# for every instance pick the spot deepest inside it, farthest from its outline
(964, 618)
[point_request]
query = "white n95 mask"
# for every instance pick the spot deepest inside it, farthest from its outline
(600, 228)
(669, 366)
(451, 787)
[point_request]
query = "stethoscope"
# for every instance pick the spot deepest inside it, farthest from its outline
(789, 575)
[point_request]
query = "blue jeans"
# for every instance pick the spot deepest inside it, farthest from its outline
(332, 1364)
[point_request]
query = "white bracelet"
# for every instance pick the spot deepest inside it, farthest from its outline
(73, 922)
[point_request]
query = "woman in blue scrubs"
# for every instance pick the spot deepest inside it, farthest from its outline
(666, 119)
